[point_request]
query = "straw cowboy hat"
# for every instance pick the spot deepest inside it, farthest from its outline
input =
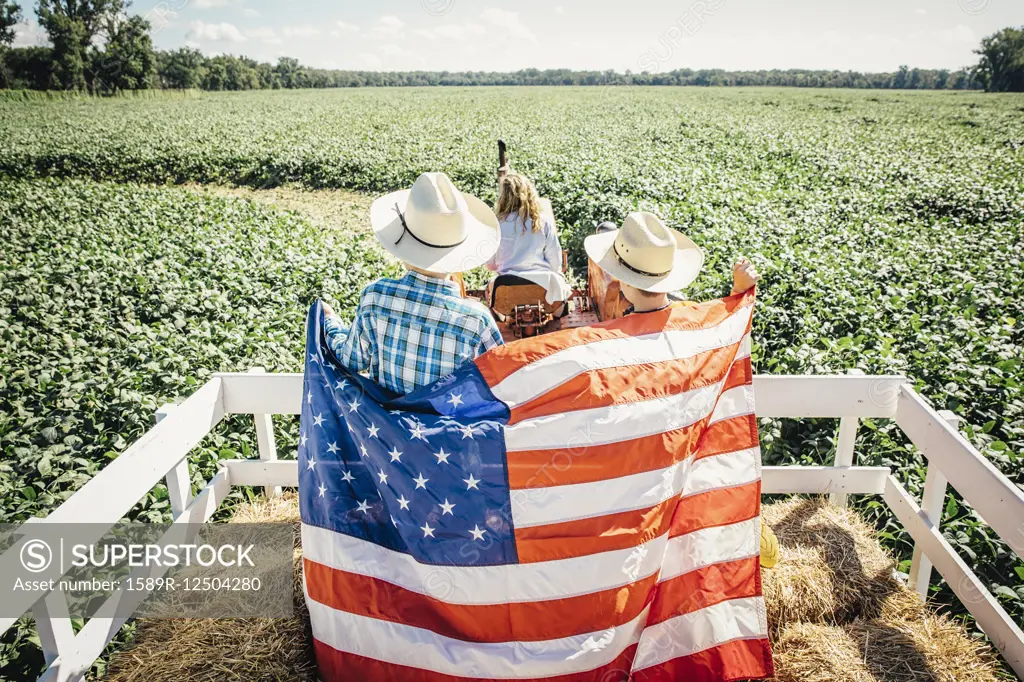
(436, 227)
(647, 254)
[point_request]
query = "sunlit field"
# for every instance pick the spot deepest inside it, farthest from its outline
(889, 227)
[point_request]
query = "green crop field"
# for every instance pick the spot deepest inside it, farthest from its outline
(889, 227)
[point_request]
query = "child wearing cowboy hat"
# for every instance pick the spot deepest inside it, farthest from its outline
(410, 331)
(652, 260)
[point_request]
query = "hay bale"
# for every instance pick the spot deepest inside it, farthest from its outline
(211, 649)
(832, 569)
(836, 613)
(931, 648)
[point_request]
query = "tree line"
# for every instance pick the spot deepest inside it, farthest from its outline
(99, 48)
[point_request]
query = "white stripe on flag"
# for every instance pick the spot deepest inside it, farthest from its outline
(539, 506)
(735, 402)
(723, 471)
(419, 648)
(539, 581)
(542, 375)
(614, 423)
(689, 552)
(691, 633)
(744, 349)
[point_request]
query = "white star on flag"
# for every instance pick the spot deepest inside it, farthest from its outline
(364, 452)
(313, 357)
(383, 477)
(354, 405)
(364, 507)
(347, 476)
(373, 429)
(471, 482)
(467, 431)
(417, 431)
(403, 503)
(477, 533)
(393, 522)
(427, 530)
(332, 448)
(319, 420)
(442, 456)
(341, 385)
(310, 464)
(455, 399)
(302, 440)
(446, 508)
(309, 397)
(396, 455)
(322, 489)
(421, 482)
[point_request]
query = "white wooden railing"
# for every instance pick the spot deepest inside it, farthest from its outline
(162, 454)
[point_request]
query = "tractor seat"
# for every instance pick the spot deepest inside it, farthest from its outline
(510, 291)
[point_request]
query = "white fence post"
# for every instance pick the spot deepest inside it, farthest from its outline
(933, 502)
(53, 625)
(178, 480)
(844, 446)
(265, 439)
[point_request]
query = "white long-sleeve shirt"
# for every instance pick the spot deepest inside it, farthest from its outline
(536, 256)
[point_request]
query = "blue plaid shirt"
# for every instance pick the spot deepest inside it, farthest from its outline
(411, 331)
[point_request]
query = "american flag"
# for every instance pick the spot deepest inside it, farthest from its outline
(582, 505)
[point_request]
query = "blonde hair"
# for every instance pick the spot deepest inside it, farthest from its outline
(517, 195)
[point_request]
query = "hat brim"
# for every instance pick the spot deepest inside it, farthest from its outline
(481, 243)
(689, 259)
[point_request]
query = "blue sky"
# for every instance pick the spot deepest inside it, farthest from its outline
(651, 35)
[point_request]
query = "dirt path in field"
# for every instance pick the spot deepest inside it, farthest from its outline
(334, 209)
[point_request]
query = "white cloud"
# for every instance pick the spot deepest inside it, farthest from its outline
(451, 31)
(560, 9)
(28, 34)
(389, 26)
(365, 60)
(266, 34)
(347, 28)
(476, 28)
(960, 34)
(392, 50)
(207, 4)
(250, 12)
(301, 31)
(200, 30)
(425, 33)
(920, 10)
(508, 22)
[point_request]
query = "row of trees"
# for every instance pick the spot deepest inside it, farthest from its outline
(98, 47)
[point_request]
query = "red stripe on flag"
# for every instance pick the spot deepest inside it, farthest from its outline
(590, 536)
(589, 463)
(630, 384)
(729, 435)
(742, 659)
(514, 621)
(704, 587)
(714, 508)
(740, 374)
(501, 362)
(338, 666)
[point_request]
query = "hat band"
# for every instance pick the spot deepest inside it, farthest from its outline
(638, 271)
(405, 229)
